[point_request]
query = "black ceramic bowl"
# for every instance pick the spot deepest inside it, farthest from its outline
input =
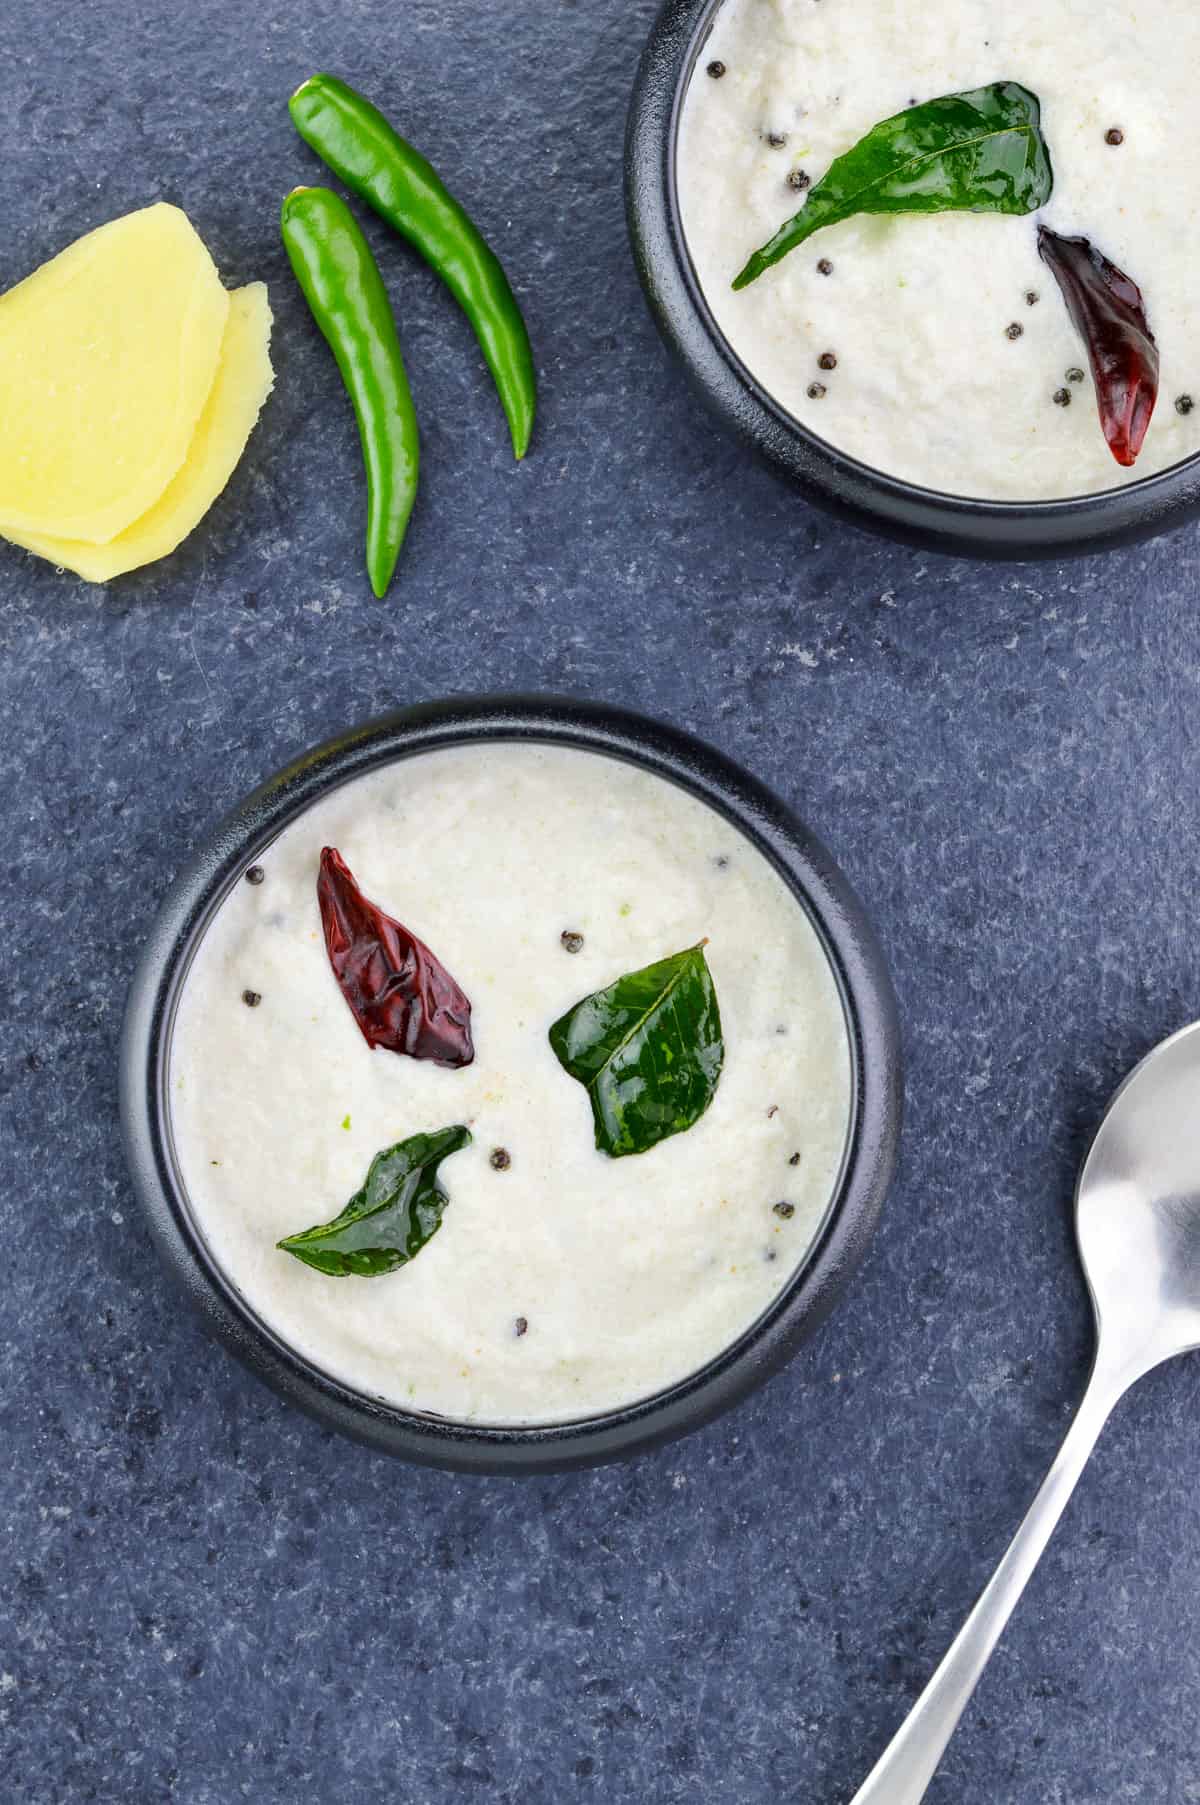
(870, 1014)
(883, 504)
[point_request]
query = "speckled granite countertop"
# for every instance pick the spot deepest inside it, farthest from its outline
(207, 1598)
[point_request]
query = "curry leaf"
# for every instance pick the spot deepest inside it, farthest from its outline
(388, 1222)
(648, 1050)
(980, 152)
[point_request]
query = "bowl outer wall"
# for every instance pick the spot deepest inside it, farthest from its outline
(840, 484)
(871, 1014)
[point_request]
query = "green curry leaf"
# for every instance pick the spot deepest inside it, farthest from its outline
(980, 152)
(648, 1050)
(388, 1222)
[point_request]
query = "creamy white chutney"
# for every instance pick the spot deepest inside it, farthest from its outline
(630, 1273)
(928, 385)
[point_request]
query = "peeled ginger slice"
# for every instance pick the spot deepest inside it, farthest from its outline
(107, 356)
(243, 382)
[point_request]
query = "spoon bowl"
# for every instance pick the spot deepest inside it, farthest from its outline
(1137, 1223)
(1137, 1210)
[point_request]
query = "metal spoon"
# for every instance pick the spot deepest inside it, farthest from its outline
(1137, 1221)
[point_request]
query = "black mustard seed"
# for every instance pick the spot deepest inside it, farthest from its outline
(255, 875)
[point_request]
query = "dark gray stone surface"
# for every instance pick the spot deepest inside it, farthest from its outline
(205, 1597)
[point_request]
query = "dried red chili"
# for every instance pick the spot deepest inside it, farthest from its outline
(401, 996)
(1108, 312)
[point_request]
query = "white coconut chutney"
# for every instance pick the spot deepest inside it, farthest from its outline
(928, 386)
(630, 1273)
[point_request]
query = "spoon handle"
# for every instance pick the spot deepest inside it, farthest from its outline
(911, 1759)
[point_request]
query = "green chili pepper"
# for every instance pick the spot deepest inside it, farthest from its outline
(343, 287)
(361, 148)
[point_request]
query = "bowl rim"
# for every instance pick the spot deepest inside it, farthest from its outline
(932, 518)
(756, 811)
